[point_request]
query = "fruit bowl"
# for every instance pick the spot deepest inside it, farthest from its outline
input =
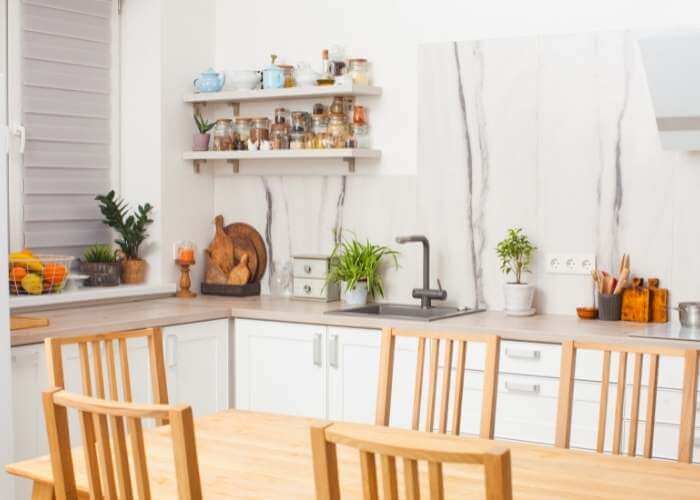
(31, 274)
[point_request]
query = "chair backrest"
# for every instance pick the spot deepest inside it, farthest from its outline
(448, 341)
(688, 405)
(91, 349)
(411, 446)
(107, 455)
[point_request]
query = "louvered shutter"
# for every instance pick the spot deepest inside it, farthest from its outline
(66, 85)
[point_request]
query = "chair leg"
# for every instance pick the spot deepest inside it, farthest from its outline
(42, 491)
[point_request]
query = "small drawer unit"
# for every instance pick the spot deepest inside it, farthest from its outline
(310, 273)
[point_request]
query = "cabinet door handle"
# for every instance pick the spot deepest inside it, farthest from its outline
(333, 351)
(318, 340)
(307, 289)
(523, 353)
(307, 268)
(519, 387)
(172, 351)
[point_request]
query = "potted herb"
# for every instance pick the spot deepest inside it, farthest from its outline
(132, 231)
(200, 141)
(515, 253)
(356, 266)
(101, 265)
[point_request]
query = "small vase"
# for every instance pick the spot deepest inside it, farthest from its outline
(357, 296)
(200, 142)
(519, 298)
(133, 271)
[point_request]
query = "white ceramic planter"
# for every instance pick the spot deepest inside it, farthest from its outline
(356, 296)
(519, 299)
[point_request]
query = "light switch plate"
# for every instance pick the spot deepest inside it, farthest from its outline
(570, 263)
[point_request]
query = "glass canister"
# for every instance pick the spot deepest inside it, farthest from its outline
(279, 136)
(281, 115)
(359, 71)
(260, 131)
(241, 127)
(222, 135)
(297, 140)
(338, 129)
(288, 72)
(338, 105)
(359, 115)
(300, 121)
(361, 133)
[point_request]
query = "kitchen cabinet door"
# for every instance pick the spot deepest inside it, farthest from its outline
(280, 367)
(197, 365)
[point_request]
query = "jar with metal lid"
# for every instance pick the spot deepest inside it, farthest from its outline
(300, 121)
(281, 115)
(338, 105)
(241, 127)
(361, 134)
(279, 136)
(260, 131)
(222, 135)
(288, 72)
(339, 129)
(297, 140)
(359, 71)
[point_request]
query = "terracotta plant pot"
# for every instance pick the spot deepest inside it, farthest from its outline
(133, 271)
(200, 142)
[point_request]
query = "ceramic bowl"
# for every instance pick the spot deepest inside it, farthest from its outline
(243, 79)
(587, 312)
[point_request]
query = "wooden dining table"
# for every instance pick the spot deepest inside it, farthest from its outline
(257, 455)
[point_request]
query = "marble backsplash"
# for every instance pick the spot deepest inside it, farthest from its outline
(552, 134)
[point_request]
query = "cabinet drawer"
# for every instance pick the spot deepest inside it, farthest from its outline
(310, 268)
(530, 358)
(315, 289)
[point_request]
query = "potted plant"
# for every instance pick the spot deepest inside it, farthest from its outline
(356, 266)
(100, 263)
(132, 231)
(200, 141)
(515, 253)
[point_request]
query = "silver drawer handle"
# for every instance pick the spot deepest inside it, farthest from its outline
(307, 268)
(333, 352)
(307, 289)
(523, 353)
(517, 387)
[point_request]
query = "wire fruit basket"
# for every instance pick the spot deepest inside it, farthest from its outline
(31, 274)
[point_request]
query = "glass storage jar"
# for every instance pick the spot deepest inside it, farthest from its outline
(279, 136)
(297, 140)
(300, 121)
(337, 106)
(359, 71)
(361, 134)
(241, 127)
(222, 135)
(260, 131)
(288, 72)
(281, 115)
(339, 129)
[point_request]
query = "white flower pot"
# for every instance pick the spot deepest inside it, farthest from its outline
(519, 298)
(357, 296)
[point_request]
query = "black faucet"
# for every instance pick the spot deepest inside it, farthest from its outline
(425, 294)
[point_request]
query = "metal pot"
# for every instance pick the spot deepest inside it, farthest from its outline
(689, 314)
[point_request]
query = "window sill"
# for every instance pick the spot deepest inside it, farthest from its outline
(95, 294)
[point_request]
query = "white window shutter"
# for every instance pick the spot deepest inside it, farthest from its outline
(66, 75)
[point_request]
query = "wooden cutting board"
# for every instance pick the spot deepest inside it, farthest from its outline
(636, 304)
(243, 246)
(659, 301)
(246, 231)
(23, 322)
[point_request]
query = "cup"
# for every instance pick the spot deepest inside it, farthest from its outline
(609, 307)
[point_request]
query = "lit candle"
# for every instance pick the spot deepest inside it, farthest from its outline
(186, 255)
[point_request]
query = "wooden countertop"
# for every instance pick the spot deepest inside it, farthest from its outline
(173, 311)
(256, 455)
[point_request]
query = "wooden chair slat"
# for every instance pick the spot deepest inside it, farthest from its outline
(138, 453)
(124, 365)
(689, 407)
(97, 365)
(445, 396)
(488, 405)
(104, 456)
(121, 458)
(112, 371)
(651, 405)
(459, 387)
(84, 368)
(390, 482)
(620, 402)
(411, 479)
(437, 487)
(636, 393)
(432, 383)
(386, 375)
(418, 386)
(87, 427)
(370, 489)
(603, 408)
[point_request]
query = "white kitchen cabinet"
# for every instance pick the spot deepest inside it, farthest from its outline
(197, 365)
(280, 367)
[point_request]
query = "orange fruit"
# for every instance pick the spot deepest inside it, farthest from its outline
(54, 273)
(17, 273)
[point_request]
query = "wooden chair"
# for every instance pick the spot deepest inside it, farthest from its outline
(101, 462)
(566, 391)
(104, 343)
(411, 446)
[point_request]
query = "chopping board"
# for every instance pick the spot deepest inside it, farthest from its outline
(636, 303)
(242, 231)
(241, 247)
(23, 322)
(659, 301)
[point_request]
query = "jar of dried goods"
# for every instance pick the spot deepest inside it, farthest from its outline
(359, 71)
(279, 136)
(338, 105)
(361, 134)
(297, 140)
(288, 71)
(260, 131)
(339, 129)
(281, 115)
(300, 121)
(241, 127)
(222, 135)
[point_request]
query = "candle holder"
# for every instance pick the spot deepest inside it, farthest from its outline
(185, 281)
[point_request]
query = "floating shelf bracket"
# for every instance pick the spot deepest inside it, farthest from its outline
(236, 107)
(351, 164)
(197, 164)
(235, 164)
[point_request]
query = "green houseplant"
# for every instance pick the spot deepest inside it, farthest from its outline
(357, 267)
(132, 233)
(100, 263)
(515, 254)
(200, 139)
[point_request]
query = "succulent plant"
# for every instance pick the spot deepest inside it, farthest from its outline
(100, 253)
(202, 125)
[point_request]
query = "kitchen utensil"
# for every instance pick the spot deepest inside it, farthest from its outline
(622, 281)
(659, 301)
(249, 232)
(245, 248)
(587, 312)
(689, 314)
(240, 274)
(221, 248)
(243, 79)
(273, 75)
(609, 307)
(214, 274)
(23, 322)
(209, 81)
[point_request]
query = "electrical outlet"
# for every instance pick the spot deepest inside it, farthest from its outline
(570, 263)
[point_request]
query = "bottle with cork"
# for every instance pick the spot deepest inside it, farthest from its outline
(326, 77)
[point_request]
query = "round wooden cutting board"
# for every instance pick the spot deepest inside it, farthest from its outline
(243, 231)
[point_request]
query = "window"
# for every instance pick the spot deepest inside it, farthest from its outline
(63, 108)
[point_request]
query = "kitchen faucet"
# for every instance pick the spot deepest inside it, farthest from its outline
(425, 294)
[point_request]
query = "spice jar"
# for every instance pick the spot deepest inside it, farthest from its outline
(222, 135)
(319, 124)
(338, 129)
(359, 71)
(279, 136)
(241, 127)
(297, 140)
(259, 131)
(281, 115)
(338, 105)
(361, 134)
(359, 115)
(300, 121)
(288, 72)
(309, 140)
(319, 109)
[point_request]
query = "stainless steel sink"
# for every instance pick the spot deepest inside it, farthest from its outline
(404, 311)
